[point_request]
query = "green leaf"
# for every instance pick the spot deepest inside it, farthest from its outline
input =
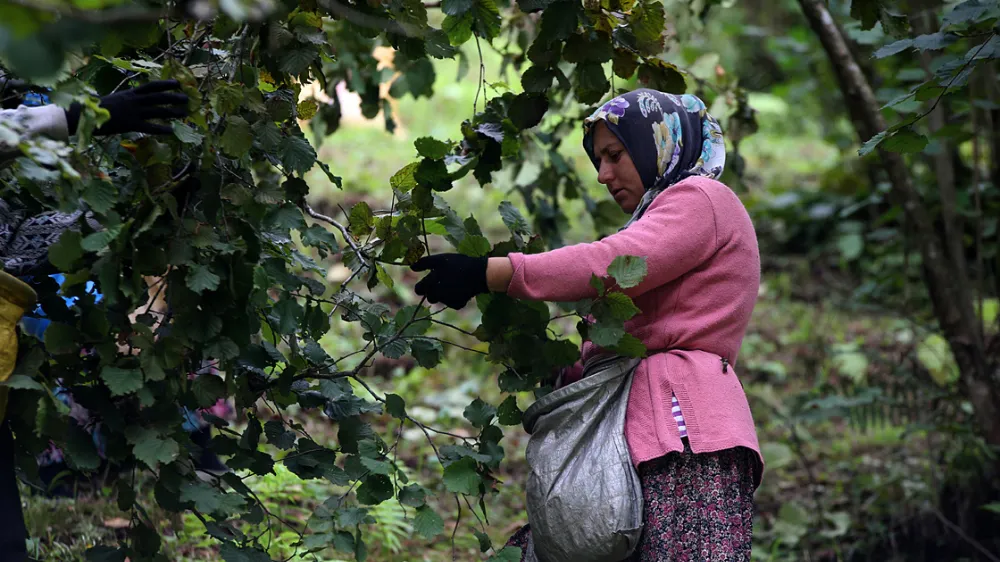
(22, 382)
(598, 284)
(590, 82)
(475, 246)
(415, 318)
(526, 110)
(628, 271)
(588, 47)
(395, 406)
(289, 314)
(233, 553)
(427, 352)
(100, 240)
(967, 12)
(487, 19)
(624, 63)
(893, 48)
(456, 7)
(223, 349)
(297, 61)
(537, 79)
(647, 22)
(297, 155)
(362, 220)
(994, 507)
(460, 477)
(484, 542)
(81, 450)
(413, 495)
(66, 251)
(905, 141)
(208, 389)
(866, 11)
(777, 455)
(935, 355)
(605, 335)
(528, 6)
(508, 412)
(186, 134)
(559, 20)
(507, 554)
(661, 75)
(429, 147)
(375, 489)
(278, 436)
(319, 237)
(101, 196)
(200, 279)
(433, 174)
(376, 466)
(620, 306)
(872, 143)
(427, 523)
(630, 346)
(479, 413)
(404, 179)
(61, 339)
(152, 449)
(851, 246)
(121, 381)
(458, 28)
(439, 46)
(236, 139)
(206, 498)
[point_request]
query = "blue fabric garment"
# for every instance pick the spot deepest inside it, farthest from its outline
(36, 323)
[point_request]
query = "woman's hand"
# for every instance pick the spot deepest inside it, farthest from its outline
(453, 278)
(132, 109)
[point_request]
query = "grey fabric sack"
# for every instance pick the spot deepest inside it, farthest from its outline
(583, 494)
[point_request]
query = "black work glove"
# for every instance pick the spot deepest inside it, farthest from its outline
(453, 278)
(131, 109)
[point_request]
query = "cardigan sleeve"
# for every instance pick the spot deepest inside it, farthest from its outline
(677, 234)
(47, 120)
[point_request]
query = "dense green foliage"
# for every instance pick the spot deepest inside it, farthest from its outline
(217, 222)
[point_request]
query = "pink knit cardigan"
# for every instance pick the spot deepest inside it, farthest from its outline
(703, 276)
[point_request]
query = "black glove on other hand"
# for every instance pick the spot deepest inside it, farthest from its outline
(131, 109)
(453, 278)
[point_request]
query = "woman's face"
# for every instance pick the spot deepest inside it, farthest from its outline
(616, 170)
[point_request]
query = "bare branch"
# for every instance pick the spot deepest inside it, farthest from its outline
(343, 230)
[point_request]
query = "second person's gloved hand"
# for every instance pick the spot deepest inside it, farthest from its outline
(132, 109)
(453, 278)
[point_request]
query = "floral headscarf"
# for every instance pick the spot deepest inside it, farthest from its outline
(668, 137)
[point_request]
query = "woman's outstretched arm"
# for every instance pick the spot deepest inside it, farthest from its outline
(498, 274)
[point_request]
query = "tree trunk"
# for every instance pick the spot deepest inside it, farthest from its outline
(948, 286)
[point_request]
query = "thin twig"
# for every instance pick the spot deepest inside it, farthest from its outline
(453, 327)
(458, 520)
(958, 531)
(482, 75)
(343, 230)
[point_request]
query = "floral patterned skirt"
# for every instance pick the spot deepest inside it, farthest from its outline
(696, 507)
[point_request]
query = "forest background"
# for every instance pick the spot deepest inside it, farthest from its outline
(331, 143)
